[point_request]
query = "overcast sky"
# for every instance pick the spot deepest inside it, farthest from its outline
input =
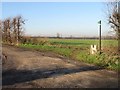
(66, 18)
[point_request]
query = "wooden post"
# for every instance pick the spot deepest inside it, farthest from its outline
(100, 36)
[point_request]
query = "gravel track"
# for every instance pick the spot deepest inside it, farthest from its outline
(26, 68)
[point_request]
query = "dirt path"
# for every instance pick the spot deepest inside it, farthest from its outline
(31, 69)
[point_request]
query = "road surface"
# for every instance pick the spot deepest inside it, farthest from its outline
(26, 68)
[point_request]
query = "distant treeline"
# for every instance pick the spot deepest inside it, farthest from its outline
(104, 37)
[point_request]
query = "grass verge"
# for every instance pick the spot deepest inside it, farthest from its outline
(104, 60)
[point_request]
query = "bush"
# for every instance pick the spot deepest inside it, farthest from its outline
(25, 40)
(39, 41)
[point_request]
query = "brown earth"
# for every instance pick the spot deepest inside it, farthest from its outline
(32, 69)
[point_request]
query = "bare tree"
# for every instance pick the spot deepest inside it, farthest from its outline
(58, 35)
(20, 21)
(114, 18)
(9, 30)
(14, 22)
(12, 30)
(4, 35)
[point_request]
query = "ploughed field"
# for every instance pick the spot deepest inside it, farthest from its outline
(28, 68)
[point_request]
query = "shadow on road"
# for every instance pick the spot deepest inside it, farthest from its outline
(11, 77)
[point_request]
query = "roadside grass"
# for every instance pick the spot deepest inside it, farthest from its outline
(62, 51)
(80, 50)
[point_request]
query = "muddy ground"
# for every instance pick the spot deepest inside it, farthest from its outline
(32, 69)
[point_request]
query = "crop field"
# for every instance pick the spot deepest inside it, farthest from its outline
(79, 49)
(83, 42)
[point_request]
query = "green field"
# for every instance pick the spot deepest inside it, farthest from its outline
(83, 42)
(79, 49)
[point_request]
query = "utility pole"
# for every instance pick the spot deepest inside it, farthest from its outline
(100, 36)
